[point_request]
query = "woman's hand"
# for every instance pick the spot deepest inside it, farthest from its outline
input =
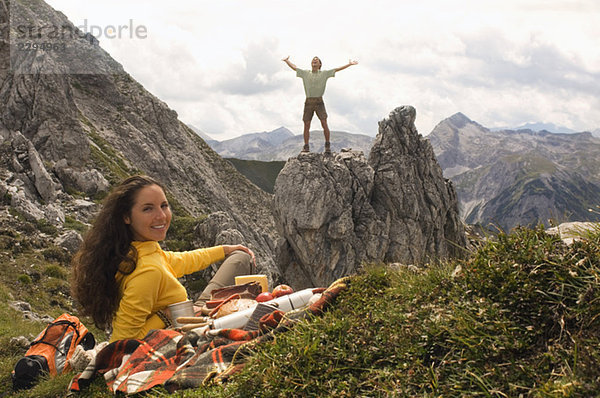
(228, 249)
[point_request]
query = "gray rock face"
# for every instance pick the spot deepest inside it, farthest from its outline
(25, 159)
(90, 182)
(25, 179)
(70, 240)
(323, 210)
(221, 228)
(337, 212)
(87, 125)
(419, 207)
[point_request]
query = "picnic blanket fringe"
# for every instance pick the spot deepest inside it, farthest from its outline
(178, 361)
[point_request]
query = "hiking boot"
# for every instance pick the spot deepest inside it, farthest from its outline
(305, 149)
(327, 148)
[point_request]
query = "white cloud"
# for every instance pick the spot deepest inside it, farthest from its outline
(259, 72)
(218, 63)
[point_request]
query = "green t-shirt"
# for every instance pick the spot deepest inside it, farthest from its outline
(314, 83)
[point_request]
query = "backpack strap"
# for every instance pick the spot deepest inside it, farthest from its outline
(40, 340)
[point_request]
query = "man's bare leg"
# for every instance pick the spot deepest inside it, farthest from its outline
(306, 135)
(326, 131)
(306, 131)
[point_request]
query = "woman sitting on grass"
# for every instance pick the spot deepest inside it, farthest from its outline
(121, 276)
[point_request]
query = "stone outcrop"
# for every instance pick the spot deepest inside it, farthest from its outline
(26, 181)
(337, 212)
(571, 232)
(221, 228)
(69, 240)
(419, 207)
(91, 182)
(323, 209)
(24, 308)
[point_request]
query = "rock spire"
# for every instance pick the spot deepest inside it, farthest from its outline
(338, 212)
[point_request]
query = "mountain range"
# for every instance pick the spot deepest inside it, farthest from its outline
(519, 177)
(549, 127)
(282, 144)
(504, 177)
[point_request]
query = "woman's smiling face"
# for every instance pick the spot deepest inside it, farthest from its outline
(150, 215)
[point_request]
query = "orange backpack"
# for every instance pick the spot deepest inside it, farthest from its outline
(51, 350)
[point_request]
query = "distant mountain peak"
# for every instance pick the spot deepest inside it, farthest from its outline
(459, 117)
(274, 136)
(282, 130)
(280, 133)
(458, 121)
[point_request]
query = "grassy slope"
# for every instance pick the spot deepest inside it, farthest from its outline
(520, 316)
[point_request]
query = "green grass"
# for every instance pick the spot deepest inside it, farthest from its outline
(533, 164)
(181, 235)
(105, 157)
(519, 317)
(262, 174)
(72, 223)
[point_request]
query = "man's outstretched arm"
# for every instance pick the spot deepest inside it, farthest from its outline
(289, 63)
(350, 63)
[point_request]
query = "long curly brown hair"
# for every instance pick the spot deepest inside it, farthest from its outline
(106, 249)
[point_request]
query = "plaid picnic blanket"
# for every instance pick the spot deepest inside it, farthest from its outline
(177, 360)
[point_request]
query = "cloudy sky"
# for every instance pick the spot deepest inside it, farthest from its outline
(218, 63)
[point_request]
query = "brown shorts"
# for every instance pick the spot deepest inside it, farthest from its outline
(312, 105)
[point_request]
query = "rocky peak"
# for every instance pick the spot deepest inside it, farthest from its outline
(340, 211)
(410, 194)
(459, 120)
(279, 135)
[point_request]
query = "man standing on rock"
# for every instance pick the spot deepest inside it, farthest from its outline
(314, 86)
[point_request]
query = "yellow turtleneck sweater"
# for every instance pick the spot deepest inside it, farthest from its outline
(153, 285)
